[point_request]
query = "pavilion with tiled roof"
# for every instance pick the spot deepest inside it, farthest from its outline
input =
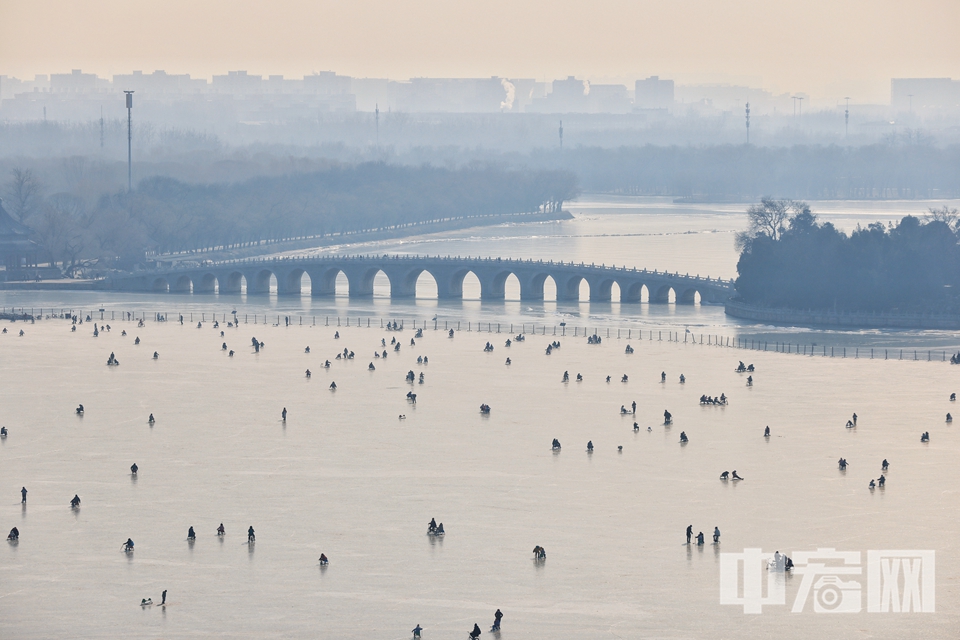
(17, 250)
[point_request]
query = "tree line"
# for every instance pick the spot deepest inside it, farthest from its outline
(162, 214)
(815, 172)
(789, 259)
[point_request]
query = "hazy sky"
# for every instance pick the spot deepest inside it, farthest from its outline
(828, 48)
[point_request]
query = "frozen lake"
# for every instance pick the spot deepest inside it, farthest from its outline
(345, 477)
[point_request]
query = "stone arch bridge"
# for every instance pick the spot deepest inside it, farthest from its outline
(257, 275)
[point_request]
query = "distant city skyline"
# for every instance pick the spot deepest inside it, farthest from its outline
(824, 48)
(495, 93)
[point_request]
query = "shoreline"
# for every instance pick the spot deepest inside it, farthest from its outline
(837, 319)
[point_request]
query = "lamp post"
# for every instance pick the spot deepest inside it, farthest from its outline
(846, 118)
(129, 95)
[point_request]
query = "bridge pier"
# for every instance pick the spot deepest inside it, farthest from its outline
(360, 280)
(601, 289)
(290, 283)
(323, 282)
(258, 281)
(492, 284)
(568, 288)
(531, 286)
(632, 291)
(661, 294)
(689, 296)
(403, 282)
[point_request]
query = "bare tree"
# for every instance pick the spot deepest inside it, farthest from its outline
(24, 193)
(950, 217)
(769, 218)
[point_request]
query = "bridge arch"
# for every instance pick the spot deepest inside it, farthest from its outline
(689, 296)
(426, 286)
(233, 282)
(404, 281)
(362, 282)
(160, 284)
(664, 294)
(324, 282)
(494, 287)
(511, 287)
(532, 288)
(455, 284)
(291, 283)
(549, 291)
(183, 284)
(206, 283)
(260, 281)
(634, 291)
(603, 290)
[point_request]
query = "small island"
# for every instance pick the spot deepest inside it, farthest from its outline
(795, 269)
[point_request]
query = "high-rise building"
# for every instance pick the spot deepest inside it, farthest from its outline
(653, 93)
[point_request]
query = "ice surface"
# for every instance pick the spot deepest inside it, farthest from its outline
(344, 476)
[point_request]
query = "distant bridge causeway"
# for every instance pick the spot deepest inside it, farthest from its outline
(402, 272)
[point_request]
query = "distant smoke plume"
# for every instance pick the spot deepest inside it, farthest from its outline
(511, 92)
(586, 87)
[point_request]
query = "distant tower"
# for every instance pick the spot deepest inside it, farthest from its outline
(800, 98)
(44, 114)
(376, 111)
(748, 123)
(101, 127)
(561, 135)
(846, 118)
(129, 140)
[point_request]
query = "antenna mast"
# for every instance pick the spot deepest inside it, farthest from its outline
(748, 123)
(846, 118)
(129, 140)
